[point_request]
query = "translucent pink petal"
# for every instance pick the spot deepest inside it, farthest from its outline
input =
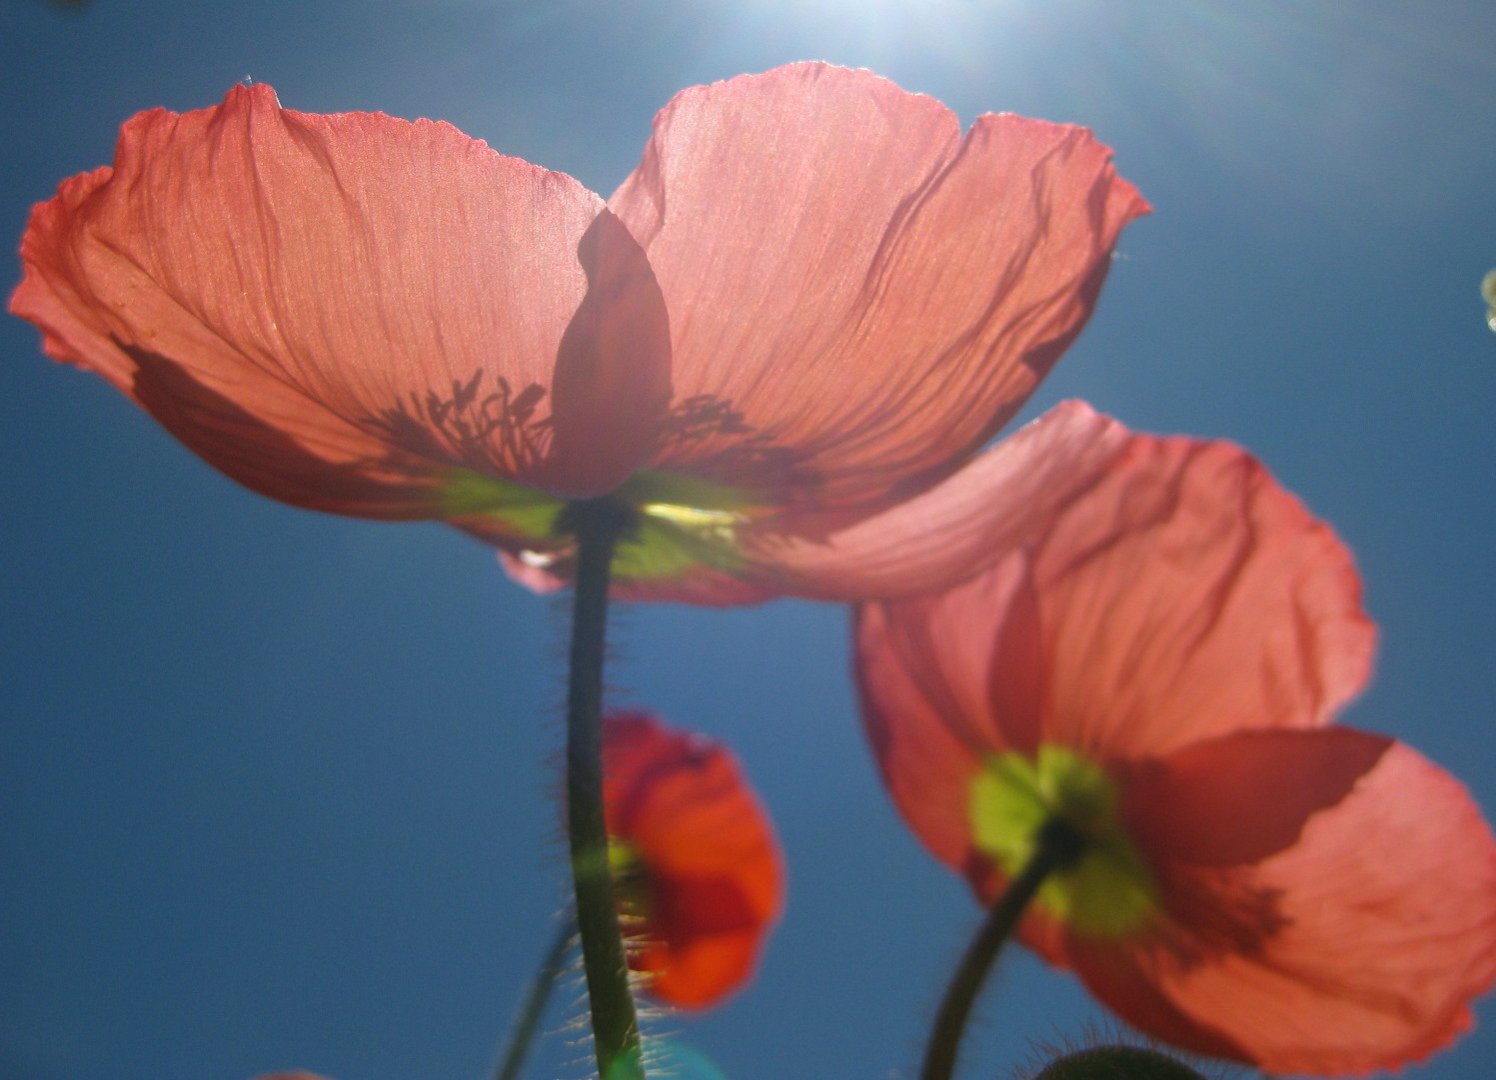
(611, 384)
(1181, 593)
(1357, 947)
(954, 529)
(355, 299)
(1189, 595)
(1117, 976)
(923, 706)
(1193, 803)
(925, 542)
(860, 297)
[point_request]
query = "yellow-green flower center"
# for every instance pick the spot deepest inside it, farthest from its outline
(1109, 890)
(682, 521)
(630, 883)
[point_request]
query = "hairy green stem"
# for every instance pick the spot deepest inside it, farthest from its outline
(528, 1020)
(1059, 845)
(597, 524)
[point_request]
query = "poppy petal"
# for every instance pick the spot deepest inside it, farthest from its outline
(1190, 803)
(330, 464)
(955, 528)
(1189, 595)
(1357, 947)
(859, 296)
(612, 377)
(919, 545)
(697, 966)
(708, 851)
(384, 299)
(923, 708)
(1163, 567)
(1119, 978)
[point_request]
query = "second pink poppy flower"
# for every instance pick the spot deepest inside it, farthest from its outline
(1158, 667)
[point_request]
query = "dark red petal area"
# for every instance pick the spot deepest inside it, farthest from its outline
(336, 309)
(710, 856)
(1240, 798)
(1357, 946)
(859, 296)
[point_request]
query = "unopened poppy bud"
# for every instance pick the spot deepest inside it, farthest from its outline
(1118, 1063)
(697, 875)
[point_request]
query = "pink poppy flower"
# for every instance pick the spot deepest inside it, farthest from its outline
(1158, 664)
(696, 863)
(813, 300)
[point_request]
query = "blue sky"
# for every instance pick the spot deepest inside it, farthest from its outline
(278, 789)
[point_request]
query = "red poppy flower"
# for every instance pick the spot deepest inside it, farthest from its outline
(1158, 664)
(813, 300)
(695, 861)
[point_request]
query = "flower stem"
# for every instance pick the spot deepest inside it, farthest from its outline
(1059, 845)
(597, 524)
(525, 1024)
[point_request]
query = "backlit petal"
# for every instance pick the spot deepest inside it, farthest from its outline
(923, 708)
(696, 965)
(1181, 593)
(1239, 798)
(955, 528)
(924, 543)
(353, 297)
(1356, 948)
(859, 296)
(1119, 978)
(1173, 594)
(709, 853)
(1189, 595)
(1316, 899)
